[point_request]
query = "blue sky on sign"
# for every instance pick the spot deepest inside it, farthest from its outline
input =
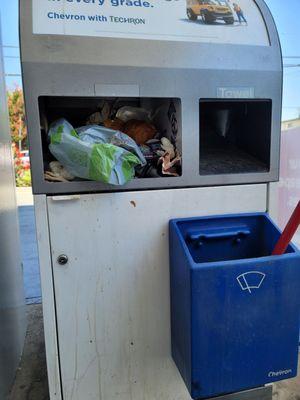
(286, 15)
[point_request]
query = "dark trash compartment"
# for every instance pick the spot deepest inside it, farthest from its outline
(235, 136)
(164, 114)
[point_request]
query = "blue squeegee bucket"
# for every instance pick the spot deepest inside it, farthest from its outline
(234, 308)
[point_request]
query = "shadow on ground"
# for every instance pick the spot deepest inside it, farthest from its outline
(288, 390)
(31, 379)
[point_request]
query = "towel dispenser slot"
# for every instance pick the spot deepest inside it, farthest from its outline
(235, 136)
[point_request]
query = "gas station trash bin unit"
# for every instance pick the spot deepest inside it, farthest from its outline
(234, 308)
(213, 93)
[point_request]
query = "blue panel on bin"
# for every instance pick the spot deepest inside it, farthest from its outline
(234, 308)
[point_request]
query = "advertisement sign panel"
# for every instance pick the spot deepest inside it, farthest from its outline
(210, 21)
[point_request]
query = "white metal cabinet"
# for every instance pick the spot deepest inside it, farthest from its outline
(112, 297)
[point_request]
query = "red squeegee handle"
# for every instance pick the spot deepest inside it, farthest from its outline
(288, 233)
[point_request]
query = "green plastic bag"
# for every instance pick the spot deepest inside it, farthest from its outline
(91, 152)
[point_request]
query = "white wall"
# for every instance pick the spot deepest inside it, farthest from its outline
(12, 305)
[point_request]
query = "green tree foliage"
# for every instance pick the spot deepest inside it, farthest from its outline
(17, 117)
(18, 131)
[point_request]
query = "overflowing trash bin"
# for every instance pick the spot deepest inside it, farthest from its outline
(139, 112)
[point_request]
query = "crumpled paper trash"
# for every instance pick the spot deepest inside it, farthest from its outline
(128, 113)
(57, 173)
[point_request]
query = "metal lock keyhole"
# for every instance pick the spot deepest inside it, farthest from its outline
(62, 259)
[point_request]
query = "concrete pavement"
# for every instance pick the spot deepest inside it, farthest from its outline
(29, 254)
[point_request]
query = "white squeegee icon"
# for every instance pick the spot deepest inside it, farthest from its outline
(251, 280)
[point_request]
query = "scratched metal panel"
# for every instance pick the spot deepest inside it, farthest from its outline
(112, 298)
(49, 313)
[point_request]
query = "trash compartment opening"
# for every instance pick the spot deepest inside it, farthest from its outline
(235, 136)
(153, 123)
(225, 239)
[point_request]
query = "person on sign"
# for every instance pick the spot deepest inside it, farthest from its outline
(239, 13)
